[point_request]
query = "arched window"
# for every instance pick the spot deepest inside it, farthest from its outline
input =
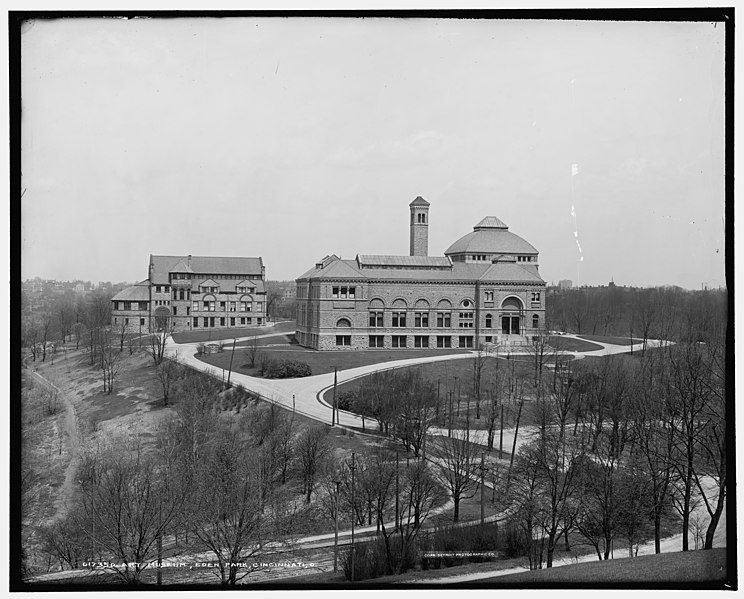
(535, 321)
(343, 323)
(511, 303)
(489, 321)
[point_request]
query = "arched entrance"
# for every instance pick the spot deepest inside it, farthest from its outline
(511, 316)
(162, 318)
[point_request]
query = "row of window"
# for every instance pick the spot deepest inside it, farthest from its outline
(211, 306)
(343, 292)
(188, 276)
(211, 321)
(120, 305)
(401, 341)
(126, 321)
(421, 320)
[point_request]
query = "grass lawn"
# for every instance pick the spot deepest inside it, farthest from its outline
(609, 339)
(208, 335)
(681, 568)
(571, 344)
(319, 362)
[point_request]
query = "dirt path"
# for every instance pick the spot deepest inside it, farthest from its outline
(69, 426)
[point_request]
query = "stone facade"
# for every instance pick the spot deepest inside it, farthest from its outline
(396, 302)
(194, 293)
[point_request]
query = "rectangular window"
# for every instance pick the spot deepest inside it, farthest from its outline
(444, 320)
(465, 320)
(352, 292)
(232, 321)
(245, 306)
(421, 341)
(143, 305)
(536, 296)
(175, 311)
(248, 320)
(334, 292)
(399, 341)
(343, 339)
(195, 306)
(488, 296)
(222, 306)
(142, 322)
(206, 321)
(466, 341)
(206, 306)
(421, 320)
(196, 322)
(126, 321)
(181, 294)
(444, 341)
(242, 320)
(259, 306)
(127, 305)
(157, 288)
(222, 321)
(489, 338)
(399, 319)
(232, 306)
(166, 288)
(376, 319)
(376, 341)
(211, 321)
(188, 310)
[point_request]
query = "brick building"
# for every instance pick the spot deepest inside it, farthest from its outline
(486, 289)
(194, 293)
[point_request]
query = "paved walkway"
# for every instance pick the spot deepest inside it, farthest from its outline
(305, 394)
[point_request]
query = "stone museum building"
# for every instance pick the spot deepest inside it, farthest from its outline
(194, 293)
(486, 289)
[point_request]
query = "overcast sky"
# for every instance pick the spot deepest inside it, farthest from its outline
(294, 138)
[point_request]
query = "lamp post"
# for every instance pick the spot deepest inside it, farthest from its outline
(335, 542)
(293, 403)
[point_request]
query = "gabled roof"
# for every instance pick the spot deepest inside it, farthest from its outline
(378, 261)
(208, 265)
(419, 201)
(139, 292)
(338, 269)
(508, 272)
(181, 267)
(245, 283)
(209, 283)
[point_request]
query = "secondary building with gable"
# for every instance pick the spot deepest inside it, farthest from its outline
(486, 289)
(192, 293)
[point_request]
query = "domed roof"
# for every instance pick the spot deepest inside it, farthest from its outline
(491, 236)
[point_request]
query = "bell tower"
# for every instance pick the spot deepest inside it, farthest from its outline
(419, 227)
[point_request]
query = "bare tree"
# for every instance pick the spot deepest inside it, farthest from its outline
(125, 505)
(457, 462)
(253, 351)
(313, 450)
(167, 371)
(157, 341)
(228, 517)
(78, 329)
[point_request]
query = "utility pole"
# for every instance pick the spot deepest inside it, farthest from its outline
(353, 515)
(293, 404)
(397, 489)
(483, 486)
(501, 434)
(335, 542)
(229, 372)
(449, 430)
(335, 384)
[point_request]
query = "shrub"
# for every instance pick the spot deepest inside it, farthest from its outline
(200, 349)
(283, 369)
(345, 399)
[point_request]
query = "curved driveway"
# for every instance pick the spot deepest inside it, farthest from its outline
(305, 394)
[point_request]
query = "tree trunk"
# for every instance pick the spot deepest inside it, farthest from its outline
(714, 518)
(456, 516)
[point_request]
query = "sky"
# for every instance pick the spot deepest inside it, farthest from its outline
(601, 143)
